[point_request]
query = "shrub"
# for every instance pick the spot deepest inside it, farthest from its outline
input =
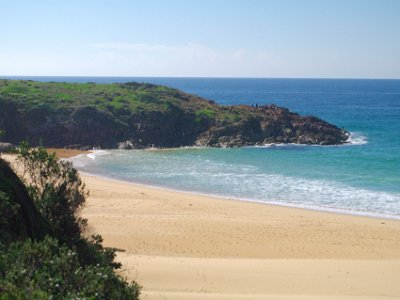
(48, 270)
(65, 264)
(56, 189)
(204, 115)
(8, 210)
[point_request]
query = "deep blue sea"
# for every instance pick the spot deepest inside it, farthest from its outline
(360, 178)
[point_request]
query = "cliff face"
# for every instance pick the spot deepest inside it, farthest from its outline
(142, 115)
(89, 126)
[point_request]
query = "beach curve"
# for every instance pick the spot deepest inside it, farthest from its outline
(180, 245)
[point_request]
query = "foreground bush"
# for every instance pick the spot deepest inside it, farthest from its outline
(56, 260)
(48, 270)
(56, 189)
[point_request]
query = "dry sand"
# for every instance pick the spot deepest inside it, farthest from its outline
(185, 246)
(64, 152)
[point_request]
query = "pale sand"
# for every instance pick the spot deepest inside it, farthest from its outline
(185, 246)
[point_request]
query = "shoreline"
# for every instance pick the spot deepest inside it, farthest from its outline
(247, 200)
(64, 153)
(165, 197)
(321, 208)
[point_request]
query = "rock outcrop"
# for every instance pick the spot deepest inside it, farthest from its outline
(273, 124)
(141, 115)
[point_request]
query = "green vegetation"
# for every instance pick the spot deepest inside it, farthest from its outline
(57, 95)
(57, 191)
(59, 112)
(84, 115)
(49, 270)
(45, 252)
(205, 114)
(113, 98)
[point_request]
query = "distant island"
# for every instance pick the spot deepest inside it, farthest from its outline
(140, 115)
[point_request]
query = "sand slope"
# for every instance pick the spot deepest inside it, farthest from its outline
(184, 246)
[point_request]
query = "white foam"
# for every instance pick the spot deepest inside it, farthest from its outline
(288, 145)
(357, 138)
(96, 153)
(313, 195)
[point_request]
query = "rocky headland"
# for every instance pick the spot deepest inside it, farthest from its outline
(139, 115)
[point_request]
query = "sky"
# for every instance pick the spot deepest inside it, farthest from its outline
(201, 38)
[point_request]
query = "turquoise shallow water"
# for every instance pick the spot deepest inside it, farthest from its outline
(271, 175)
(363, 178)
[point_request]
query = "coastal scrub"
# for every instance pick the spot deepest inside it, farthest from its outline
(45, 249)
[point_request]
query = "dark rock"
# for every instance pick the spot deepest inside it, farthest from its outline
(19, 216)
(273, 124)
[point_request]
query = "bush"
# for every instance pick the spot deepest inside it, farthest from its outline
(48, 270)
(56, 189)
(8, 209)
(65, 264)
(204, 115)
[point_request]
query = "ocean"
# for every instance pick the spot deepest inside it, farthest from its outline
(362, 178)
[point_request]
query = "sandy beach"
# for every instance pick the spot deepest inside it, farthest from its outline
(184, 246)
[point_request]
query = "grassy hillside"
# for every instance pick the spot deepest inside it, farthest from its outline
(89, 114)
(118, 99)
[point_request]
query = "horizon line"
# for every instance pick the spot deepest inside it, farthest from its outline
(200, 77)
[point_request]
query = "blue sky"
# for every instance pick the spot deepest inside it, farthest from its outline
(203, 38)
